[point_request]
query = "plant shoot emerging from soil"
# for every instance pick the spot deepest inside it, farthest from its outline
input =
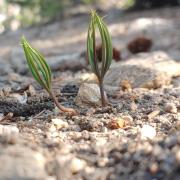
(42, 73)
(97, 22)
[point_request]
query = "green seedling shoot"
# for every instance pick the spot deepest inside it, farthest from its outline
(100, 71)
(42, 73)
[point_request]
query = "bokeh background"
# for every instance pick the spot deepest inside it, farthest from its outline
(24, 13)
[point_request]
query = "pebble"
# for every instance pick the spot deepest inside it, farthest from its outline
(148, 132)
(59, 123)
(170, 108)
(88, 95)
(77, 165)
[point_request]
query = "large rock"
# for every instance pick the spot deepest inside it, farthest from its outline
(19, 163)
(146, 70)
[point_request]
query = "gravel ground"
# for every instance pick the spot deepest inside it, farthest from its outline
(136, 137)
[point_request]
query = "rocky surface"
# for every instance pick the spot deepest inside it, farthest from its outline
(136, 137)
(146, 70)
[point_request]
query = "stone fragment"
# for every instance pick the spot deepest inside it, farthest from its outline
(88, 95)
(148, 132)
(59, 123)
(146, 70)
(77, 165)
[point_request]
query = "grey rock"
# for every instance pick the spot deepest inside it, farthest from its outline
(88, 95)
(19, 163)
(146, 70)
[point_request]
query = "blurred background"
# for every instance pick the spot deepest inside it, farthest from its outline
(25, 13)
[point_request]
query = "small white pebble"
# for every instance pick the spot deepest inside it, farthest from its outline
(77, 165)
(148, 132)
(59, 124)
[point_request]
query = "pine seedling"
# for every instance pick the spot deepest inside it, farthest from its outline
(42, 73)
(100, 71)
